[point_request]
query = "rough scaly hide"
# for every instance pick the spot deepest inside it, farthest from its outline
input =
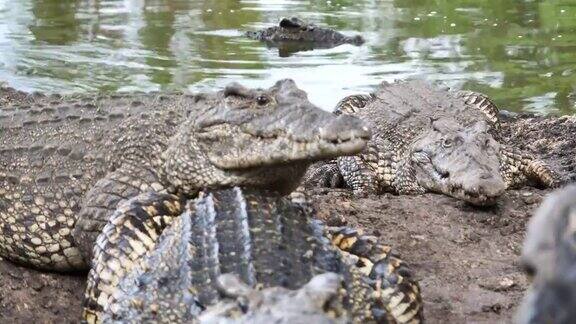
(66, 163)
(146, 269)
(425, 139)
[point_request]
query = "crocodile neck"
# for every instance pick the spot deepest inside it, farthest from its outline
(184, 169)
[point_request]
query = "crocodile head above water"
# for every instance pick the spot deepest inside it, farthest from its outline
(293, 34)
(457, 161)
(549, 257)
(259, 137)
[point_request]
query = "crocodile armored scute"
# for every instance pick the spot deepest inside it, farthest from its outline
(162, 257)
(293, 34)
(549, 257)
(66, 163)
(431, 140)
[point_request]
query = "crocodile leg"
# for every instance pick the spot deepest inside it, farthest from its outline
(131, 233)
(358, 175)
(330, 173)
(324, 174)
(397, 296)
(347, 171)
(518, 168)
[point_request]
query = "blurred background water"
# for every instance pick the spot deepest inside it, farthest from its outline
(520, 52)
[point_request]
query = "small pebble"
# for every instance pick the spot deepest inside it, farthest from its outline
(506, 283)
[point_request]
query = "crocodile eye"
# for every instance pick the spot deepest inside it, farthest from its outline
(447, 142)
(262, 100)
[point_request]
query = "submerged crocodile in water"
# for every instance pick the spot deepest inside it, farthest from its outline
(430, 140)
(66, 164)
(293, 35)
(164, 258)
(549, 257)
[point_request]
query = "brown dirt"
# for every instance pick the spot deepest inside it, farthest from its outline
(465, 258)
(29, 296)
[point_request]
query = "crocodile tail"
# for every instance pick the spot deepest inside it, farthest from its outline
(482, 103)
(351, 104)
(518, 168)
(396, 296)
(324, 174)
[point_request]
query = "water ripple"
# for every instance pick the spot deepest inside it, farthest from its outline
(521, 55)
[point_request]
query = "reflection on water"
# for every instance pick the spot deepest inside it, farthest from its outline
(522, 52)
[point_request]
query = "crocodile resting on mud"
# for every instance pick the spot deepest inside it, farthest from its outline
(549, 257)
(293, 35)
(430, 140)
(66, 164)
(165, 258)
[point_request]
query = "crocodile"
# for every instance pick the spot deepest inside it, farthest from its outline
(316, 302)
(549, 257)
(167, 258)
(546, 137)
(293, 35)
(427, 139)
(66, 163)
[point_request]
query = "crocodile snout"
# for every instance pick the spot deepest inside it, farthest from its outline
(482, 189)
(487, 185)
(344, 128)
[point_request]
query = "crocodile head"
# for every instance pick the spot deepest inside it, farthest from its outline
(259, 137)
(293, 34)
(549, 258)
(462, 162)
(318, 301)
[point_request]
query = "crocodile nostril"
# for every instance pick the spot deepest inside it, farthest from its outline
(485, 176)
(490, 185)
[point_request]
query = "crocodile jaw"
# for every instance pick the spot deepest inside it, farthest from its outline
(237, 150)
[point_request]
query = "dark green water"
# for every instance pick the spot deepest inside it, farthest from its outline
(522, 53)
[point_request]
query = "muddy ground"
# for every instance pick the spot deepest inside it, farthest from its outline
(465, 258)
